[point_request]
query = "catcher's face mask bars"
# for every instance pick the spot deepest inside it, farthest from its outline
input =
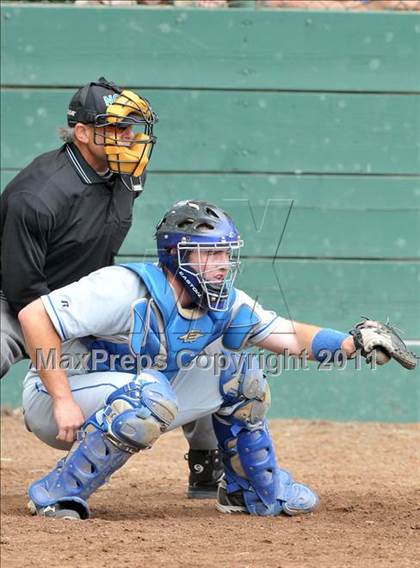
(214, 265)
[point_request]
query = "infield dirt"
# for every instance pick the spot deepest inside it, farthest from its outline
(367, 475)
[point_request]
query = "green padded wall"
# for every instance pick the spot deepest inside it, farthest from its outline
(218, 49)
(304, 125)
(249, 132)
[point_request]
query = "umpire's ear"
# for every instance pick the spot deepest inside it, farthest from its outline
(82, 132)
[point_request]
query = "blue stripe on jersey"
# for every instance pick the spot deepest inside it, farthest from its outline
(58, 319)
(264, 328)
(39, 388)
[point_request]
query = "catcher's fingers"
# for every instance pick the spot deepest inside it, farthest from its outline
(69, 419)
(67, 435)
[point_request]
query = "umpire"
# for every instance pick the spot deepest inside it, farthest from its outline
(67, 214)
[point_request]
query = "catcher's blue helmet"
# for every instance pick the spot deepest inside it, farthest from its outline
(199, 226)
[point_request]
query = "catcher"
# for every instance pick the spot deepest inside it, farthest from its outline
(142, 332)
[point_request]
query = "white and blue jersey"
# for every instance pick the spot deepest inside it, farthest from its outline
(134, 310)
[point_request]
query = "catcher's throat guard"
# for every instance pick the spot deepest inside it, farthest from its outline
(127, 154)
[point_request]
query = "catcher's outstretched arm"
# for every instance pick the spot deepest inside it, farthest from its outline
(370, 337)
(296, 337)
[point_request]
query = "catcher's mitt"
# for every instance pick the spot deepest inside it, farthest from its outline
(370, 335)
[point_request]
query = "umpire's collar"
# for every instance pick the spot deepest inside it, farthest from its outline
(84, 171)
(88, 175)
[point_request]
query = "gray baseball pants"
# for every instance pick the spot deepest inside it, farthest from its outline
(12, 344)
(199, 433)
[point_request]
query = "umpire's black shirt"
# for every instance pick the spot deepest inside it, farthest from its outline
(60, 221)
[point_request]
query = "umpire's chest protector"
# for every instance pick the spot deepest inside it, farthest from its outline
(160, 334)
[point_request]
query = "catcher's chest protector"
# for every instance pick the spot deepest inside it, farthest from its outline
(160, 332)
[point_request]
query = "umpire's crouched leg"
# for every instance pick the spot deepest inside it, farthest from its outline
(12, 343)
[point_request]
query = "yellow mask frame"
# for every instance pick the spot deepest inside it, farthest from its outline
(128, 109)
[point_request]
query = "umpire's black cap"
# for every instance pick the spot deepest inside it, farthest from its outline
(92, 100)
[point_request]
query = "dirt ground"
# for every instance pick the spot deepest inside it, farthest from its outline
(367, 475)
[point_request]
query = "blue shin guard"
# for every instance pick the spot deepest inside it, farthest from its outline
(76, 477)
(133, 418)
(251, 467)
(249, 458)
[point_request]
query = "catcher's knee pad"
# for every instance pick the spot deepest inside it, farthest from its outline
(138, 413)
(245, 391)
(133, 418)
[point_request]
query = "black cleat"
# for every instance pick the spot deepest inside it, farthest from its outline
(206, 471)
